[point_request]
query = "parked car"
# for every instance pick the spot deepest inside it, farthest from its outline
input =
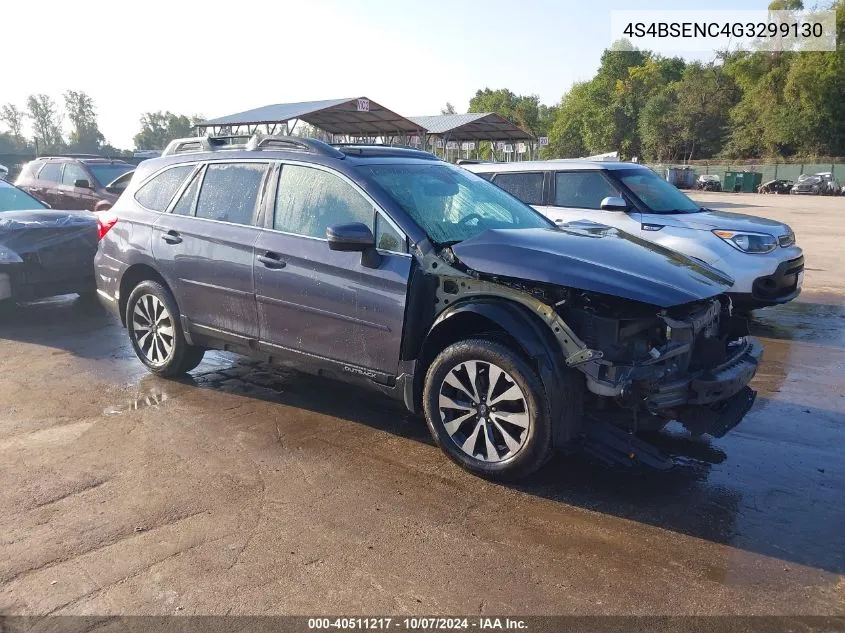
(820, 184)
(760, 254)
(708, 182)
(70, 182)
(389, 267)
(780, 186)
(44, 252)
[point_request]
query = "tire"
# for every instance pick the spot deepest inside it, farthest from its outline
(502, 449)
(162, 349)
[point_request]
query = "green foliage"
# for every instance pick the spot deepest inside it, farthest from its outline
(743, 105)
(447, 109)
(13, 117)
(159, 128)
(46, 123)
(85, 135)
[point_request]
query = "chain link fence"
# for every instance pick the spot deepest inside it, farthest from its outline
(770, 171)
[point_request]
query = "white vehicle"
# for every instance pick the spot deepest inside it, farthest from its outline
(759, 254)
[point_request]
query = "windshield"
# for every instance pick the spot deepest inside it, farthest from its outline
(13, 199)
(655, 193)
(451, 204)
(105, 173)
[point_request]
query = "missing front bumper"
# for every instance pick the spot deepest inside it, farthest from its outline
(713, 386)
(716, 420)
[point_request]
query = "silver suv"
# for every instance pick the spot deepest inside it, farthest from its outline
(759, 254)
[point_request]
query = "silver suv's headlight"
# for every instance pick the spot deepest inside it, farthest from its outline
(748, 242)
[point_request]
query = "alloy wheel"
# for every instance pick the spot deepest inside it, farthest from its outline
(484, 411)
(152, 328)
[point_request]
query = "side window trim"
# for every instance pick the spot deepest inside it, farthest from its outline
(376, 207)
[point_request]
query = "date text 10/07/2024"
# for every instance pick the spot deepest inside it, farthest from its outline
(418, 624)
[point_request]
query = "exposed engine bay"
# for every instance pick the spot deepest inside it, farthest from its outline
(644, 365)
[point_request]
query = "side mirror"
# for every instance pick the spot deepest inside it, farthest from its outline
(614, 203)
(354, 237)
(116, 189)
(82, 184)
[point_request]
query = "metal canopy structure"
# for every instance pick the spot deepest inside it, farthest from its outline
(356, 117)
(474, 126)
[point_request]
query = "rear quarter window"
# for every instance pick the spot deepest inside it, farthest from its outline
(157, 192)
(29, 171)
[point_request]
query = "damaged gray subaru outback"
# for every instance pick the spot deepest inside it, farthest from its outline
(389, 267)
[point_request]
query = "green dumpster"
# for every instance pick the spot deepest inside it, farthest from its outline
(744, 181)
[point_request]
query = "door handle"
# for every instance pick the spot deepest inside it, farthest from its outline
(172, 237)
(271, 260)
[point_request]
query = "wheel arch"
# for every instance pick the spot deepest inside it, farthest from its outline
(131, 277)
(510, 323)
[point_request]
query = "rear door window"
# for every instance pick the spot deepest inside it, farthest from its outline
(157, 193)
(185, 205)
(230, 192)
(72, 174)
(582, 189)
(527, 187)
(52, 172)
(309, 200)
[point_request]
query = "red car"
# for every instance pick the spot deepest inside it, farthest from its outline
(73, 182)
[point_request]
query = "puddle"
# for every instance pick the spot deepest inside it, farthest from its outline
(153, 399)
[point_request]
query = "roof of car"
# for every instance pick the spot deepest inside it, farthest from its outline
(87, 159)
(348, 156)
(550, 165)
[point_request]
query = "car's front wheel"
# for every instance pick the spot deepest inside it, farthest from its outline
(155, 330)
(487, 409)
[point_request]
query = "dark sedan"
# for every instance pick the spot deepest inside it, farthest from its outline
(45, 252)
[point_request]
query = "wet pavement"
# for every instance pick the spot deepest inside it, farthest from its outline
(246, 490)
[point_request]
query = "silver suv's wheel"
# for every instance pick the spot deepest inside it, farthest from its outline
(152, 321)
(487, 409)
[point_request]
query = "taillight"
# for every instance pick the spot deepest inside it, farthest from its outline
(105, 220)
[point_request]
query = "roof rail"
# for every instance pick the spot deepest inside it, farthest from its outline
(253, 143)
(378, 149)
(73, 156)
(292, 143)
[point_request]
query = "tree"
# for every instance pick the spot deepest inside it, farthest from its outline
(159, 128)
(13, 117)
(447, 109)
(85, 135)
(46, 122)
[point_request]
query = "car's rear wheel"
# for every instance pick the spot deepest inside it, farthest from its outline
(155, 330)
(487, 409)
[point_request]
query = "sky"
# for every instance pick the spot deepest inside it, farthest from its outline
(213, 57)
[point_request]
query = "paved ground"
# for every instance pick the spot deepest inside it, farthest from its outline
(243, 490)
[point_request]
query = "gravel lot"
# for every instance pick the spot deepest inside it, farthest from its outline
(247, 491)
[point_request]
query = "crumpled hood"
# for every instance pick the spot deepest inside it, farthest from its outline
(596, 258)
(709, 220)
